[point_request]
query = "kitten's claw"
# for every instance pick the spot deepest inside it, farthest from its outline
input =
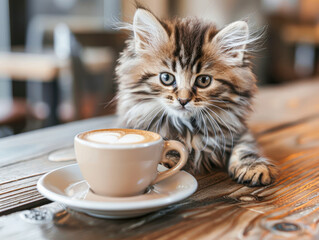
(254, 174)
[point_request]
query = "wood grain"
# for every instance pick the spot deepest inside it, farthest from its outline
(24, 159)
(284, 104)
(24, 146)
(220, 208)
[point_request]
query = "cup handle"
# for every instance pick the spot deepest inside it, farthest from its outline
(180, 148)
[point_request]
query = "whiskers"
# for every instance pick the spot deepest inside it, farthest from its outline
(202, 120)
(218, 120)
(140, 114)
(228, 113)
(111, 103)
(146, 116)
(154, 117)
(209, 131)
(159, 122)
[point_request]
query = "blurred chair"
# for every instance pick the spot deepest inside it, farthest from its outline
(93, 84)
(42, 97)
(6, 102)
(62, 84)
(93, 62)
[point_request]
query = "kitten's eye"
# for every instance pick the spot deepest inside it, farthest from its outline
(203, 81)
(167, 79)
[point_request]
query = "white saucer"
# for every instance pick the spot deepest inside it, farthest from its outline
(67, 186)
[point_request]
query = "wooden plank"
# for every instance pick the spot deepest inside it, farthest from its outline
(17, 148)
(284, 104)
(24, 159)
(20, 193)
(19, 180)
(219, 209)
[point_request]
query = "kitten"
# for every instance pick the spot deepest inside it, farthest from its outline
(188, 81)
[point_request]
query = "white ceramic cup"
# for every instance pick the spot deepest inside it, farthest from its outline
(122, 170)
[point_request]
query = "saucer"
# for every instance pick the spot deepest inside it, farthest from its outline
(67, 186)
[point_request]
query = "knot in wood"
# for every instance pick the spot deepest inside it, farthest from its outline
(286, 227)
(248, 198)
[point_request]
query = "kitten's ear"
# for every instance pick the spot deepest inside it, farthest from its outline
(232, 41)
(148, 31)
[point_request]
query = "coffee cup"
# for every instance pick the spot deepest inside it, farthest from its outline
(123, 162)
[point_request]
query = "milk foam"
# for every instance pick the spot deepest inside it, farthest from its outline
(115, 137)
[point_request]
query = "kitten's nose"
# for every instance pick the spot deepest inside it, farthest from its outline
(184, 96)
(183, 101)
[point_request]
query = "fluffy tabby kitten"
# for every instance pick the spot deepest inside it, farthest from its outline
(188, 81)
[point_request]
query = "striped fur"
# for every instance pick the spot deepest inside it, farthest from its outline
(212, 124)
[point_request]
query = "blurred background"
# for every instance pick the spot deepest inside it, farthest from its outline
(57, 57)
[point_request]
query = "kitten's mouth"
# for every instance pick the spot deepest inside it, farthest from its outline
(181, 108)
(181, 111)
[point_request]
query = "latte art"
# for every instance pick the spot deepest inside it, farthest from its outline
(119, 136)
(114, 137)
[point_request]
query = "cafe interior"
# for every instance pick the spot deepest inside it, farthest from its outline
(57, 58)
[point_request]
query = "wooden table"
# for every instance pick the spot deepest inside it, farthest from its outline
(286, 123)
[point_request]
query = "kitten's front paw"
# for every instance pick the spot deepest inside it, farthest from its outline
(254, 174)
